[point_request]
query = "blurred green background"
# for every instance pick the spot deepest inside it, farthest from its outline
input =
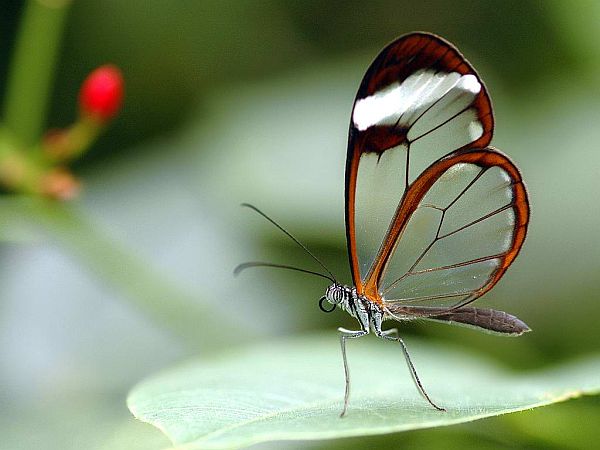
(238, 101)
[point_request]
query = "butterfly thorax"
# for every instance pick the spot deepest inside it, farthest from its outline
(369, 314)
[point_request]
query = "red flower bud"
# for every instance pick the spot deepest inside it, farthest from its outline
(101, 93)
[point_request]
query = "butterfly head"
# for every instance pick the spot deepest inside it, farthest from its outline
(334, 295)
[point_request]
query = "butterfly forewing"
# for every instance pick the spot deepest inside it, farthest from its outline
(418, 101)
(380, 186)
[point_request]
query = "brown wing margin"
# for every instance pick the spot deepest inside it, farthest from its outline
(484, 158)
(395, 63)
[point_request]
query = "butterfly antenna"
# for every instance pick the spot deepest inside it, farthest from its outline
(247, 265)
(288, 234)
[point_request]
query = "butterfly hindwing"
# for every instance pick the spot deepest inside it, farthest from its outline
(461, 224)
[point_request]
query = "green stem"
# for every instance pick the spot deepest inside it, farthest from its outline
(18, 171)
(32, 68)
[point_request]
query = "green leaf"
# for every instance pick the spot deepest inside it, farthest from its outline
(294, 390)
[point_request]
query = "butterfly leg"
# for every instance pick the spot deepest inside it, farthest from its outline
(348, 334)
(387, 334)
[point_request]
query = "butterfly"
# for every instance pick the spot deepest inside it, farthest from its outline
(434, 214)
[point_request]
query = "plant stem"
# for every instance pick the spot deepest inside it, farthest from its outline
(18, 171)
(32, 68)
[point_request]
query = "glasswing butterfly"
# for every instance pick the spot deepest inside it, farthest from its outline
(434, 214)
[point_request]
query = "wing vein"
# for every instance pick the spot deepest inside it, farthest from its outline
(432, 105)
(437, 127)
(432, 297)
(464, 191)
(476, 221)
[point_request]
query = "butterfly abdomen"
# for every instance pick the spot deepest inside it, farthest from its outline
(484, 319)
(487, 319)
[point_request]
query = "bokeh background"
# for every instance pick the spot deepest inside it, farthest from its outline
(234, 101)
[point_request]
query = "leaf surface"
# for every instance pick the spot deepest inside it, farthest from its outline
(294, 390)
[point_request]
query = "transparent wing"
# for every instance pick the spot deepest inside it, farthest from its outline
(462, 224)
(419, 100)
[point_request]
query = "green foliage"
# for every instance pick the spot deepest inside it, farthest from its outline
(110, 260)
(294, 390)
(227, 102)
